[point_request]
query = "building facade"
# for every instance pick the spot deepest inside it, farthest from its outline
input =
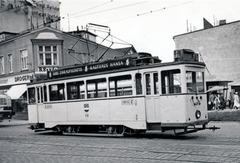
(29, 55)
(219, 48)
(20, 15)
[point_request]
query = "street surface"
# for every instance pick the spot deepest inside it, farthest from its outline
(21, 145)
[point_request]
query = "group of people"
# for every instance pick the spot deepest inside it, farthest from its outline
(216, 101)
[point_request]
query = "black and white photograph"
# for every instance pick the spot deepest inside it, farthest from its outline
(135, 81)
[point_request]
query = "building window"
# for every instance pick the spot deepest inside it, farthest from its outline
(24, 59)
(1, 65)
(48, 55)
(10, 63)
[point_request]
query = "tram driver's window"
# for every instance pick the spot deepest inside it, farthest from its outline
(31, 96)
(97, 88)
(56, 92)
(120, 85)
(171, 81)
(195, 82)
(75, 90)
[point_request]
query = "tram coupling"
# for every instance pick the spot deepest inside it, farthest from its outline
(213, 128)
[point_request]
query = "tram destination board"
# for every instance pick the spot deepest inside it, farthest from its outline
(89, 68)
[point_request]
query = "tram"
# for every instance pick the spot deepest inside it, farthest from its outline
(127, 95)
(5, 108)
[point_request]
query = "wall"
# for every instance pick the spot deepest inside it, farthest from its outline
(219, 47)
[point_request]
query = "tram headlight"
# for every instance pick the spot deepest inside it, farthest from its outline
(198, 114)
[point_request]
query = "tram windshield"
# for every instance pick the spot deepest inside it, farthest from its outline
(195, 82)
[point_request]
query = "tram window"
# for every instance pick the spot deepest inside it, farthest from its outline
(156, 85)
(120, 85)
(56, 92)
(45, 93)
(39, 95)
(171, 81)
(195, 81)
(139, 84)
(76, 90)
(148, 84)
(31, 95)
(97, 88)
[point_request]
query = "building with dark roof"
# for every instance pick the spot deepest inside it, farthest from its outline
(30, 54)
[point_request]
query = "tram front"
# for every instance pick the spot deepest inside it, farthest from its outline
(183, 98)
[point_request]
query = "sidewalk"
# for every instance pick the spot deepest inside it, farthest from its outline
(224, 115)
(13, 122)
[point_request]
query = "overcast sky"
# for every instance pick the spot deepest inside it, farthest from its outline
(149, 25)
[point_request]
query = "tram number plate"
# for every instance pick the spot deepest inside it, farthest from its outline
(86, 115)
(128, 102)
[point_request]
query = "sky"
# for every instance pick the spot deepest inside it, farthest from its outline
(148, 25)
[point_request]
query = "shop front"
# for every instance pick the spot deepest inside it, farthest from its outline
(16, 87)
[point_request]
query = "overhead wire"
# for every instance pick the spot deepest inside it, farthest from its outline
(110, 9)
(150, 12)
(91, 8)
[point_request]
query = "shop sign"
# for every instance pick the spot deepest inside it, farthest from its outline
(18, 79)
(46, 68)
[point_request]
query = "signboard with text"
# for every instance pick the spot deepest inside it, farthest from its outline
(17, 79)
(96, 67)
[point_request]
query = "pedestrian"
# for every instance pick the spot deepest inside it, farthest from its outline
(230, 100)
(217, 102)
(236, 101)
(211, 102)
(222, 101)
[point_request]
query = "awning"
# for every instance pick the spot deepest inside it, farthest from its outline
(16, 91)
(216, 88)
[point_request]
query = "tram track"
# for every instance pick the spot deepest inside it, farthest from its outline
(113, 152)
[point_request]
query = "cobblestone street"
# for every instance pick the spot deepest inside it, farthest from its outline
(20, 145)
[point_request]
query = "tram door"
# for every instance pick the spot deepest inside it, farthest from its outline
(39, 102)
(152, 97)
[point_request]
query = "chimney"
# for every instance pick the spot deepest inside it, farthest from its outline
(222, 22)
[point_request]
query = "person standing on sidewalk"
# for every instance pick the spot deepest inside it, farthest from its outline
(231, 100)
(236, 101)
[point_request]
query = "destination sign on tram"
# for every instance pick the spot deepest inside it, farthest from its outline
(96, 67)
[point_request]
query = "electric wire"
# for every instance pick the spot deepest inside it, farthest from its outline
(92, 8)
(150, 12)
(110, 9)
